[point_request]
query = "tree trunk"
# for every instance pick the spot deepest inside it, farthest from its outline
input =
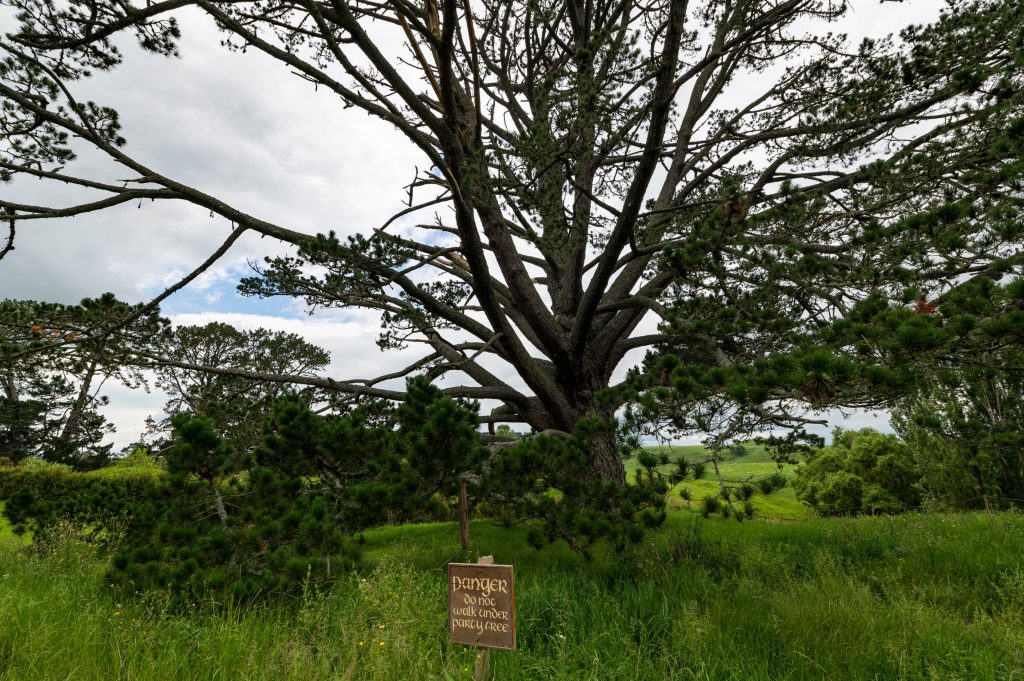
(605, 462)
(218, 500)
(579, 385)
(67, 433)
(10, 386)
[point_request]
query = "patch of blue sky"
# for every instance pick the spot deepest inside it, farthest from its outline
(223, 297)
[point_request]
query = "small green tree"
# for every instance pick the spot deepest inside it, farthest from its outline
(863, 471)
(505, 431)
(282, 517)
(211, 531)
(771, 482)
(541, 481)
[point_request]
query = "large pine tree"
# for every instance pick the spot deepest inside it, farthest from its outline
(733, 169)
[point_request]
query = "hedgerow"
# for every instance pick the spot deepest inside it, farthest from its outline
(38, 498)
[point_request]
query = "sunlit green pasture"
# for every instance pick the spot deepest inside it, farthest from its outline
(912, 597)
(753, 464)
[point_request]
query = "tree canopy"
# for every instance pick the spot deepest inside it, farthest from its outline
(236, 405)
(714, 181)
(55, 359)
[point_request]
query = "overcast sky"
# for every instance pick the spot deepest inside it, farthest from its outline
(244, 129)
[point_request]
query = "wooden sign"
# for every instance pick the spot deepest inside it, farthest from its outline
(481, 605)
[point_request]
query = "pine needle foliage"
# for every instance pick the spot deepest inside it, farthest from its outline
(286, 517)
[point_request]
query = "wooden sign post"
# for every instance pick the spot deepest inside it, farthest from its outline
(482, 609)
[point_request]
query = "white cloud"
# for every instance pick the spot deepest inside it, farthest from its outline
(128, 410)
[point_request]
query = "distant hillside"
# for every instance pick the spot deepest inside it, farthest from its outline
(752, 453)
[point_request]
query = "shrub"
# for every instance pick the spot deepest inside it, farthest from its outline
(709, 505)
(34, 463)
(240, 528)
(745, 491)
(861, 472)
(737, 449)
(748, 508)
(140, 457)
(771, 482)
(699, 469)
(545, 478)
(682, 468)
(965, 430)
(237, 528)
(55, 482)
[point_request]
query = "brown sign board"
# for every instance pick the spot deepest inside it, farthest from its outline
(481, 605)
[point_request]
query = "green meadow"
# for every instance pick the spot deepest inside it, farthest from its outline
(937, 597)
(752, 464)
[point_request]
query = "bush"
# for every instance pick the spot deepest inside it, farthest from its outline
(699, 469)
(709, 505)
(861, 472)
(966, 435)
(54, 481)
(682, 469)
(140, 457)
(737, 449)
(238, 528)
(34, 463)
(544, 478)
(233, 528)
(278, 537)
(771, 482)
(745, 491)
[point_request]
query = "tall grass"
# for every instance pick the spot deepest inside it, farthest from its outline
(913, 597)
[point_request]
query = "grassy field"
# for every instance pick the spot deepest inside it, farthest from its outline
(753, 464)
(911, 597)
(753, 452)
(779, 505)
